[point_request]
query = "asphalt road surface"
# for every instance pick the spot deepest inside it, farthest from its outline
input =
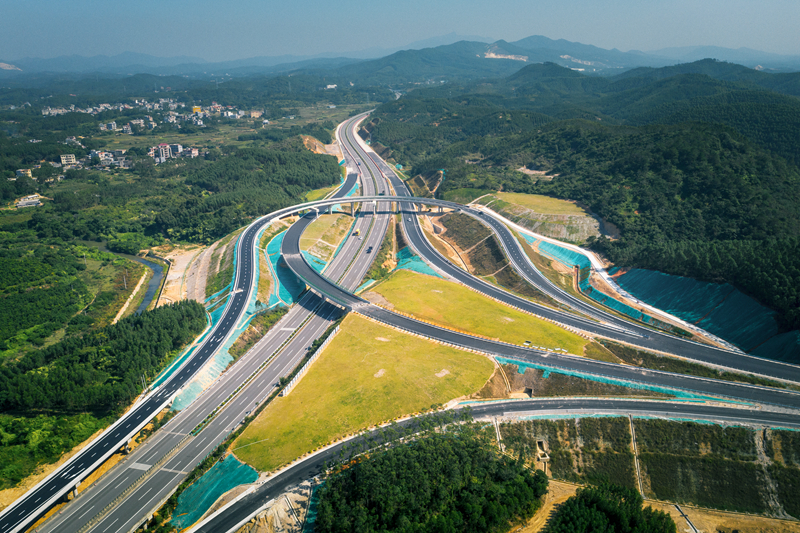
(308, 320)
(315, 316)
(45, 494)
(250, 505)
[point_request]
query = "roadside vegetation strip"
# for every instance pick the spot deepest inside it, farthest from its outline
(370, 374)
(386, 253)
(317, 352)
(213, 414)
(319, 194)
(358, 252)
(456, 307)
(640, 358)
(323, 237)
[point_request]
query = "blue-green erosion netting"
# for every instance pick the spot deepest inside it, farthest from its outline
(407, 260)
(608, 301)
(719, 309)
(315, 262)
(219, 293)
(741, 320)
(784, 347)
(313, 508)
(289, 285)
(686, 298)
(364, 285)
(568, 257)
(201, 495)
(572, 259)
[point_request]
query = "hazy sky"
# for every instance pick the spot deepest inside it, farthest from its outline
(245, 28)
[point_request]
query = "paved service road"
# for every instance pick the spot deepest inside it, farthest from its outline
(25, 511)
(234, 515)
(312, 317)
(308, 320)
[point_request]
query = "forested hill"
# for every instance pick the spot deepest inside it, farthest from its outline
(699, 174)
(787, 83)
(99, 371)
(455, 481)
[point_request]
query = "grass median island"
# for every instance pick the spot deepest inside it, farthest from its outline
(368, 374)
(323, 236)
(454, 306)
(319, 194)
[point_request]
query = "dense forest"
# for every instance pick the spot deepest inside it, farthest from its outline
(698, 173)
(611, 509)
(56, 397)
(190, 200)
(55, 283)
(101, 370)
(451, 482)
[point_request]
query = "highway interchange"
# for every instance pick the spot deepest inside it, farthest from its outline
(285, 345)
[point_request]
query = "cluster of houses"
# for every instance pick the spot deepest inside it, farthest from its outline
(163, 104)
(29, 201)
(149, 123)
(115, 158)
(167, 106)
(165, 151)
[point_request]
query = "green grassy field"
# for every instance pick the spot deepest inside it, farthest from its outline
(454, 306)
(368, 374)
(323, 236)
(542, 204)
(319, 194)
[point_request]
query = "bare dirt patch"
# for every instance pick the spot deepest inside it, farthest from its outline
(181, 258)
(287, 514)
(442, 374)
(557, 493)
(377, 299)
(197, 274)
(722, 522)
(535, 383)
(380, 373)
(382, 339)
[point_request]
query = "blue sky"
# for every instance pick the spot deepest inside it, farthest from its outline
(245, 28)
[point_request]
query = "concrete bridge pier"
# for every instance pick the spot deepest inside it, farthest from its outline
(126, 448)
(72, 494)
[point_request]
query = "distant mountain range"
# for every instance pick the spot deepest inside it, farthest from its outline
(441, 58)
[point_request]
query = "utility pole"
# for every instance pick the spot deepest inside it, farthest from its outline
(84, 259)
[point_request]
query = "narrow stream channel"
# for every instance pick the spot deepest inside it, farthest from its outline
(155, 281)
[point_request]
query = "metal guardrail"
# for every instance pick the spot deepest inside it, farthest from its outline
(213, 414)
(296, 379)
